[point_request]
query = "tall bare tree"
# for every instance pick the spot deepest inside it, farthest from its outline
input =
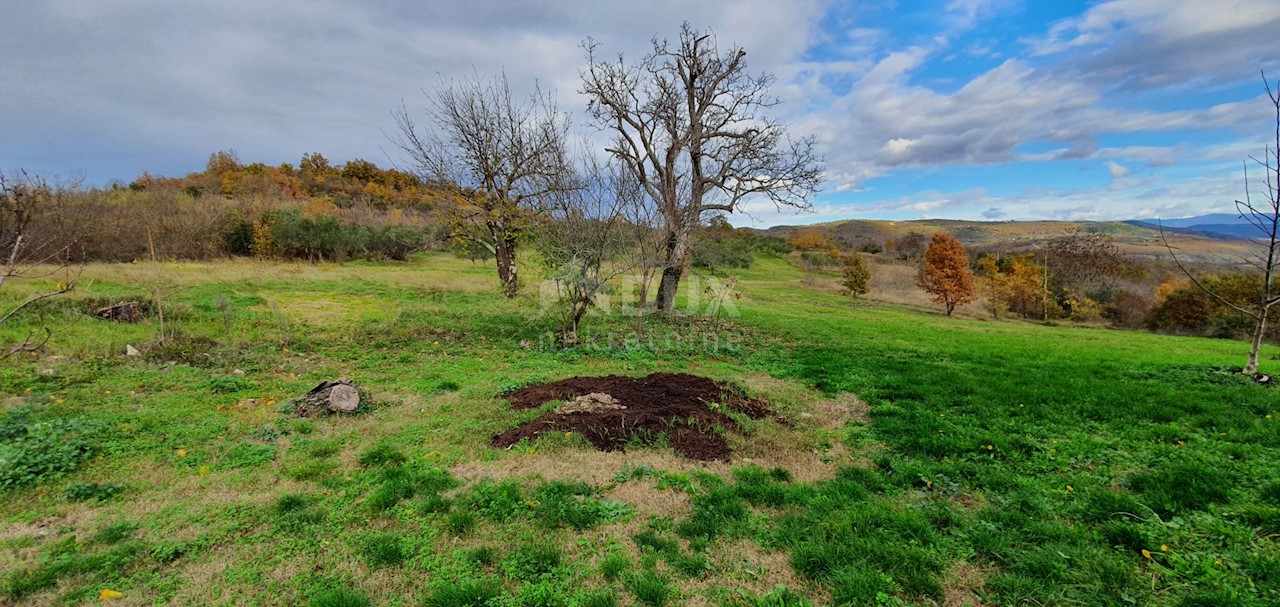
(495, 154)
(694, 127)
(25, 200)
(1263, 213)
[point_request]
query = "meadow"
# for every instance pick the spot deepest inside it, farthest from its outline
(924, 460)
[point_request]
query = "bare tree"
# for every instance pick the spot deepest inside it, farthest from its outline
(1263, 214)
(25, 200)
(495, 155)
(689, 118)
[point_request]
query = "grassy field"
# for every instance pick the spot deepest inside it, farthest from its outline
(930, 461)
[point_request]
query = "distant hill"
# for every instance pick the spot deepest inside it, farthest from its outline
(1221, 225)
(1137, 237)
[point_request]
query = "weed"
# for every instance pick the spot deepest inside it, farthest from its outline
(1182, 486)
(531, 559)
(600, 598)
(83, 492)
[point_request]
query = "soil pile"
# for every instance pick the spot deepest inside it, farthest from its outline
(612, 412)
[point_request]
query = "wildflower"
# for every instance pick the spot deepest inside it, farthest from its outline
(108, 393)
(1070, 488)
(991, 448)
(182, 452)
(1164, 548)
(108, 594)
(531, 504)
(59, 401)
(1146, 553)
(202, 470)
(568, 434)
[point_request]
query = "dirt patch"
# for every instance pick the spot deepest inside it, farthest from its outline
(690, 411)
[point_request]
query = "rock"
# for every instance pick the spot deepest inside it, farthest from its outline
(48, 372)
(239, 372)
(591, 403)
(130, 350)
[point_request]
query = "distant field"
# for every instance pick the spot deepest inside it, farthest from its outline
(925, 460)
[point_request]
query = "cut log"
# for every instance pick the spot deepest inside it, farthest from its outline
(333, 396)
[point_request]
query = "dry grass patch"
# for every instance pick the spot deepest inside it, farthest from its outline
(961, 584)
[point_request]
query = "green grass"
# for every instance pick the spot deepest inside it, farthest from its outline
(1045, 458)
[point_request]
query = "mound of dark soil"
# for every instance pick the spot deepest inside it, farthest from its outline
(687, 409)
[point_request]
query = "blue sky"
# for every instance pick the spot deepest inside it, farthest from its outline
(975, 109)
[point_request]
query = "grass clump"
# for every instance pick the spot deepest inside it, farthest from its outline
(294, 511)
(384, 550)
(650, 589)
(460, 522)
(614, 565)
(1182, 486)
(465, 593)
(339, 597)
(575, 505)
(381, 454)
(42, 451)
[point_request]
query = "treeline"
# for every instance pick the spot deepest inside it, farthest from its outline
(315, 212)
(1081, 276)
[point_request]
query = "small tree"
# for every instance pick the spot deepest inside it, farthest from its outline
(1264, 215)
(856, 275)
(495, 154)
(581, 231)
(946, 276)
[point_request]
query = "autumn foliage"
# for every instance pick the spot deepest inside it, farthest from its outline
(946, 276)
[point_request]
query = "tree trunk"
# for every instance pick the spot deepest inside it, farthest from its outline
(504, 252)
(678, 247)
(1259, 331)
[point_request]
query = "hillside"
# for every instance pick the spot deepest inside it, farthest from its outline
(1136, 238)
(912, 459)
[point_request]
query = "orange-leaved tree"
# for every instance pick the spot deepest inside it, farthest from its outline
(946, 276)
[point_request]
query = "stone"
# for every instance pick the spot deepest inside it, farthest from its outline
(130, 350)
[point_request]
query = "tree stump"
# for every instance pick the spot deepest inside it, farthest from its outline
(332, 396)
(125, 311)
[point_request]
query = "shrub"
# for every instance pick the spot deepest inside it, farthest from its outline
(856, 275)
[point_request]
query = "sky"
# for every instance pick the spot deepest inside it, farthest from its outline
(964, 109)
